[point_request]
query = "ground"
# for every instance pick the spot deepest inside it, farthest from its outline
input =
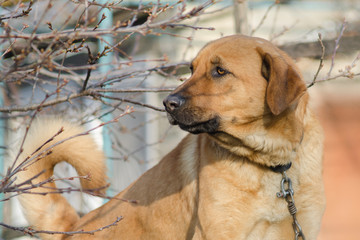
(339, 113)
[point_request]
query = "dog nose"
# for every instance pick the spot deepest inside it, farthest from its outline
(173, 102)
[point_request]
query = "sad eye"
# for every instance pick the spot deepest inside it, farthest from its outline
(219, 72)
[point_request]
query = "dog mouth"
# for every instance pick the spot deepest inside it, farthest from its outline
(195, 127)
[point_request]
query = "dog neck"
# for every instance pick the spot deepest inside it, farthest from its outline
(258, 148)
(265, 145)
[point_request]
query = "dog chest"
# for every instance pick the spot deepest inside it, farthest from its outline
(235, 199)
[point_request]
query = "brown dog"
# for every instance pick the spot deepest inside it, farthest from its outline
(247, 107)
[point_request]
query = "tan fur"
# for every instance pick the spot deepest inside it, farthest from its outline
(216, 185)
(52, 211)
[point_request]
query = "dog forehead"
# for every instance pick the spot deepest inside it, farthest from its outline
(239, 41)
(236, 43)
(227, 45)
(232, 48)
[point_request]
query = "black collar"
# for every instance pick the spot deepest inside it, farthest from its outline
(280, 168)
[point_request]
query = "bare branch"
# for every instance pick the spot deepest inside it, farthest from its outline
(19, 15)
(321, 65)
(264, 17)
(346, 72)
(55, 62)
(337, 44)
(32, 232)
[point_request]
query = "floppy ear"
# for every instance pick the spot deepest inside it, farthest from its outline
(285, 85)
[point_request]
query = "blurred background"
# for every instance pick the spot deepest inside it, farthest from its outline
(88, 60)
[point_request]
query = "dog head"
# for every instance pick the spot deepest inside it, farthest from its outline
(235, 81)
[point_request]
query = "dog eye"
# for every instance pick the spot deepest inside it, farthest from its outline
(219, 72)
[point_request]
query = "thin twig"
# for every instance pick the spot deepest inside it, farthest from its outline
(321, 64)
(90, 32)
(264, 17)
(345, 72)
(90, 92)
(337, 45)
(32, 232)
(22, 14)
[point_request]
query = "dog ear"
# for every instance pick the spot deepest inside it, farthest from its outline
(285, 85)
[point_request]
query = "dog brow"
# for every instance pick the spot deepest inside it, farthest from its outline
(216, 60)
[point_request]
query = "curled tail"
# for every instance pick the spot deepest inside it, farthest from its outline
(51, 211)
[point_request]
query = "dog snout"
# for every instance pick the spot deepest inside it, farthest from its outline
(173, 102)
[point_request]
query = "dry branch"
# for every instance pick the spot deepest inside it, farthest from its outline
(39, 58)
(30, 231)
(346, 72)
(349, 43)
(57, 61)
